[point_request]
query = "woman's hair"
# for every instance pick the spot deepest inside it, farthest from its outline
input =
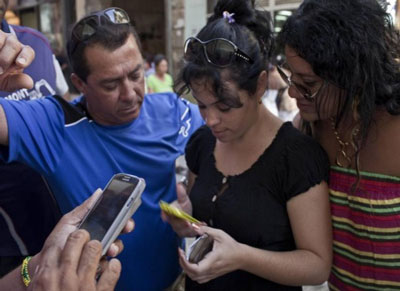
(158, 58)
(353, 45)
(250, 31)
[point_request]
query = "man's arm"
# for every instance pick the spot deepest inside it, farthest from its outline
(14, 58)
(53, 268)
(3, 127)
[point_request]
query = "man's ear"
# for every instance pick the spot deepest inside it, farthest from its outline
(262, 84)
(78, 83)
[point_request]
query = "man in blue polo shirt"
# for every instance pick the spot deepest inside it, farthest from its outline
(27, 209)
(112, 128)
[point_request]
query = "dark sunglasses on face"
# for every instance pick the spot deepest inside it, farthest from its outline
(87, 26)
(218, 51)
(305, 92)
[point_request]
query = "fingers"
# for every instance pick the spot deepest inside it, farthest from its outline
(116, 248)
(164, 216)
(58, 269)
(197, 272)
(25, 57)
(72, 252)
(182, 227)
(130, 225)
(76, 215)
(14, 53)
(213, 232)
(110, 276)
(75, 267)
(17, 81)
(89, 261)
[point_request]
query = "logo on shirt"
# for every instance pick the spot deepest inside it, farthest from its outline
(41, 89)
(184, 130)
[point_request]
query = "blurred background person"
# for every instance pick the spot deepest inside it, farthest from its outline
(148, 64)
(276, 97)
(160, 81)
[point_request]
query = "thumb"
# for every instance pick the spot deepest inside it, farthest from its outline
(79, 212)
(213, 232)
(13, 82)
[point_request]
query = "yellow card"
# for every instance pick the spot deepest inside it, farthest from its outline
(172, 210)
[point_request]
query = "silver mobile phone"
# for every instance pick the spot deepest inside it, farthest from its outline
(199, 248)
(120, 199)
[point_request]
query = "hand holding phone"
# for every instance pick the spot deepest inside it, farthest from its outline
(199, 248)
(120, 199)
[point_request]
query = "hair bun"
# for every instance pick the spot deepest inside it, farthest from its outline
(242, 9)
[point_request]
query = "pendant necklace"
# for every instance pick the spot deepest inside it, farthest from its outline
(343, 159)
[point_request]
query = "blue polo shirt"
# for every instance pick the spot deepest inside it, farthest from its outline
(77, 156)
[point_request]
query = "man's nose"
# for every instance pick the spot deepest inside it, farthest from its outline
(127, 90)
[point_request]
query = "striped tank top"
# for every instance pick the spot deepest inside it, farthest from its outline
(366, 231)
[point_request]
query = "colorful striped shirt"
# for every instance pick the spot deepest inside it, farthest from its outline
(366, 231)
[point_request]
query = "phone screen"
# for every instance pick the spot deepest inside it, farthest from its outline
(108, 207)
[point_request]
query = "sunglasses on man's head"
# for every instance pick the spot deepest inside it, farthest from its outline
(88, 25)
(218, 51)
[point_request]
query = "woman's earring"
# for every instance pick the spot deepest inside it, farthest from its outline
(260, 101)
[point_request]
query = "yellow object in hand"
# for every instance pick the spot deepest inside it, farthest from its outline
(172, 210)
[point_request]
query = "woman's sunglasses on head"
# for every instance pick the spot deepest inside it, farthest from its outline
(218, 51)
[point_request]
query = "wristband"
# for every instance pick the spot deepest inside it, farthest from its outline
(25, 272)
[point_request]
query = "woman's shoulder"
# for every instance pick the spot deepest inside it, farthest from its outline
(382, 150)
(200, 145)
(201, 140)
(297, 146)
(291, 137)
(303, 163)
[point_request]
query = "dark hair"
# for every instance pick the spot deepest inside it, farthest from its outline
(109, 36)
(353, 45)
(148, 57)
(251, 32)
(158, 58)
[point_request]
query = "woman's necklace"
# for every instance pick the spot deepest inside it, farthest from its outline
(343, 159)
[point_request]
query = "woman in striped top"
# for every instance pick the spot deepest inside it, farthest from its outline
(344, 60)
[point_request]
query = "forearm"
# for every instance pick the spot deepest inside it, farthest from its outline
(13, 280)
(3, 127)
(298, 267)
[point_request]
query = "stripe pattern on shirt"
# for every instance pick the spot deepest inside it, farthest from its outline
(366, 231)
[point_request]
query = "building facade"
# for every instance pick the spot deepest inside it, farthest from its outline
(163, 25)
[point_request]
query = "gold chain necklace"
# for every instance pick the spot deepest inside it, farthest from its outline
(343, 159)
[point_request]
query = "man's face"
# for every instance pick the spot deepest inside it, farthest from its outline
(114, 88)
(3, 8)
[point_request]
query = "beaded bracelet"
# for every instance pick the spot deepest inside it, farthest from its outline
(25, 272)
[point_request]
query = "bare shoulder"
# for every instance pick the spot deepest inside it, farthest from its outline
(388, 130)
(382, 151)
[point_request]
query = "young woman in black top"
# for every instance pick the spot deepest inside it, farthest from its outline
(257, 183)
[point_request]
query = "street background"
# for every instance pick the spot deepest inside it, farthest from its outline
(163, 25)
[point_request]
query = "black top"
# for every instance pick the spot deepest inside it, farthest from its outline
(252, 208)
